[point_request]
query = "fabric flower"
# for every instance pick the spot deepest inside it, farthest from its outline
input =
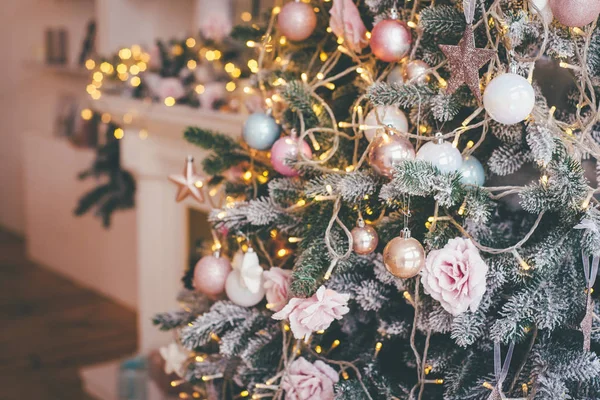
(306, 381)
(315, 313)
(345, 22)
(276, 284)
(455, 276)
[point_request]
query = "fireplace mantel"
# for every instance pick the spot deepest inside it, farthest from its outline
(162, 224)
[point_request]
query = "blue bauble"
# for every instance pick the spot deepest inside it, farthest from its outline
(260, 131)
(472, 171)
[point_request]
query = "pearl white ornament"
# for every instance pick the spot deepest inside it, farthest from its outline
(389, 116)
(509, 98)
(238, 293)
(441, 154)
(472, 172)
(396, 75)
(545, 10)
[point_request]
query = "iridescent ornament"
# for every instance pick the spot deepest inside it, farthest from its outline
(297, 21)
(441, 154)
(416, 72)
(260, 131)
(390, 116)
(575, 13)
(239, 293)
(364, 238)
(388, 151)
(390, 40)
(472, 172)
(210, 275)
(396, 75)
(509, 98)
(404, 256)
(286, 148)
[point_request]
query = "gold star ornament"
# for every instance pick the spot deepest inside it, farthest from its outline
(464, 61)
(189, 183)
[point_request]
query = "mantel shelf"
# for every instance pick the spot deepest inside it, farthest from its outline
(71, 70)
(167, 121)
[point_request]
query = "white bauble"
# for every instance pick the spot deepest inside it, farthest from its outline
(472, 172)
(509, 98)
(442, 155)
(389, 116)
(396, 75)
(238, 293)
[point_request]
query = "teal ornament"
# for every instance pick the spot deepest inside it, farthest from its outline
(260, 131)
(472, 172)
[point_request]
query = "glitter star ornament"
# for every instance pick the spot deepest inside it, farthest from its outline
(189, 183)
(464, 61)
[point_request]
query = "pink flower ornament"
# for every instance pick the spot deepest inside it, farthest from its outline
(307, 381)
(455, 276)
(276, 284)
(345, 22)
(314, 313)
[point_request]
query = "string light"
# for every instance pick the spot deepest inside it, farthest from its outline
(125, 54)
(246, 16)
(199, 359)
(244, 393)
(318, 349)
(106, 118)
(230, 86)
(191, 64)
(190, 42)
(169, 101)
(199, 89)
(345, 375)
(135, 81)
(90, 64)
(378, 347)
(86, 114)
(119, 133)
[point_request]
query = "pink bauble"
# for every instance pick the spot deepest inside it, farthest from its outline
(364, 239)
(297, 21)
(575, 12)
(390, 40)
(211, 274)
(387, 151)
(286, 148)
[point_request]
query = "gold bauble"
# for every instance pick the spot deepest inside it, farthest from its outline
(364, 239)
(388, 151)
(404, 257)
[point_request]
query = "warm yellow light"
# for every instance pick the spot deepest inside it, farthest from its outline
(125, 54)
(236, 73)
(143, 134)
(247, 175)
(106, 118)
(318, 349)
(345, 375)
(335, 344)
(221, 215)
(124, 76)
(253, 65)
(229, 67)
(135, 81)
(198, 184)
(230, 86)
(199, 359)
(411, 24)
(323, 56)
(210, 55)
(286, 327)
(87, 114)
(97, 76)
(282, 40)
(470, 144)
(190, 42)
(142, 66)
(244, 393)
(90, 89)
(218, 54)
(427, 369)
(196, 395)
(134, 69)
(282, 252)
(191, 64)
(127, 118)
(250, 43)
(90, 64)
(177, 50)
(121, 68)
(304, 77)
(199, 89)
(106, 67)
(170, 101)
(442, 82)
(119, 133)
(301, 202)
(246, 16)
(276, 10)
(320, 76)
(378, 346)
(544, 179)
(569, 131)
(96, 95)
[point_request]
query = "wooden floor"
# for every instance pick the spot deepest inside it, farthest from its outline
(50, 327)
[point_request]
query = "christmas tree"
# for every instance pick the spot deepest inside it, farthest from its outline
(373, 254)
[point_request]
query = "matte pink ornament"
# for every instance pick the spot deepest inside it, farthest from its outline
(390, 40)
(297, 21)
(575, 13)
(286, 148)
(211, 274)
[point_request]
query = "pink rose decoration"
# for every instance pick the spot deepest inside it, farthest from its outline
(213, 92)
(315, 313)
(216, 25)
(306, 381)
(170, 87)
(455, 276)
(276, 284)
(345, 22)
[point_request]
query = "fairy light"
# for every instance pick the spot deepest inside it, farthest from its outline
(135, 81)
(304, 77)
(199, 89)
(276, 10)
(335, 344)
(125, 54)
(119, 133)
(251, 43)
(253, 65)
(544, 179)
(411, 24)
(488, 385)
(97, 76)
(192, 64)
(330, 85)
(247, 175)
(427, 369)
(244, 393)
(230, 86)
(206, 378)
(96, 95)
(121, 68)
(344, 124)
(177, 383)
(246, 16)
(282, 40)
(169, 101)
(221, 215)
(350, 168)
(407, 296)
(378, 347)
(345, 375)
(340, 40)
(90, 64)
(199, 359)
(90, 88)
(86, 114)
(569, 131)
(106, 67)
(196, 395)
(106, 118)
(318, 349)
(190, 42)
(525, 389)
(127, 118)
(273, 233)
(323, 56)
(470, 144)
(522, 263)
(439, 382)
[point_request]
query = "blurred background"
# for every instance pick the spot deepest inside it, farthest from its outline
(95, 97)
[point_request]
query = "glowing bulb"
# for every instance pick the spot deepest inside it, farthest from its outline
(170, 101)
(125, 54)
(119, 133)
(87, 114)
(190, 42)
(143, 134)
(90, 64)
(246, 16)
(134, 69)
(191, 64)
(135, 81)
(199, 89)
(230, 86)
